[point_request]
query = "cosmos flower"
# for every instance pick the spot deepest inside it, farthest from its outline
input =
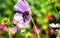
(23, 14)
(53, 25)
(13, 30)
(52, 31)
(4, 28)
(37, 30)
(49, 17)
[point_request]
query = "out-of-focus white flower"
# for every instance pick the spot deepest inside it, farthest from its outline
(54, 25)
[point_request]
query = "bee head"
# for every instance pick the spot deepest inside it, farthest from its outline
(26, 13)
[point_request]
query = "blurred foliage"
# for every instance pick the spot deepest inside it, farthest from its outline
(39, 7)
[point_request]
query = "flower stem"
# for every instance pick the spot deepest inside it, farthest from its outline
(34, 26)
(55, 8)
(9, 33)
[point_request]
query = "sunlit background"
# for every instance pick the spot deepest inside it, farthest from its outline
(45, 14)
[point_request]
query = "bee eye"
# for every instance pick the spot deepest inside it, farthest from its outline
(26, 13)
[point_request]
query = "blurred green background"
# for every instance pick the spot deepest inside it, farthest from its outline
(41, 9)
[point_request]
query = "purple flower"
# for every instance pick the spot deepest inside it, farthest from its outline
(23, 14)
(37, 29)
(21, 19)
(13, 30)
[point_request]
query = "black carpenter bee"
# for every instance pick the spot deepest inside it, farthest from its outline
(25, 14)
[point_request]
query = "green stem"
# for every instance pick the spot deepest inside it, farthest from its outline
(55, 9)
(38, 36)
(32, 21)
(34, 26)
(9, 33)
